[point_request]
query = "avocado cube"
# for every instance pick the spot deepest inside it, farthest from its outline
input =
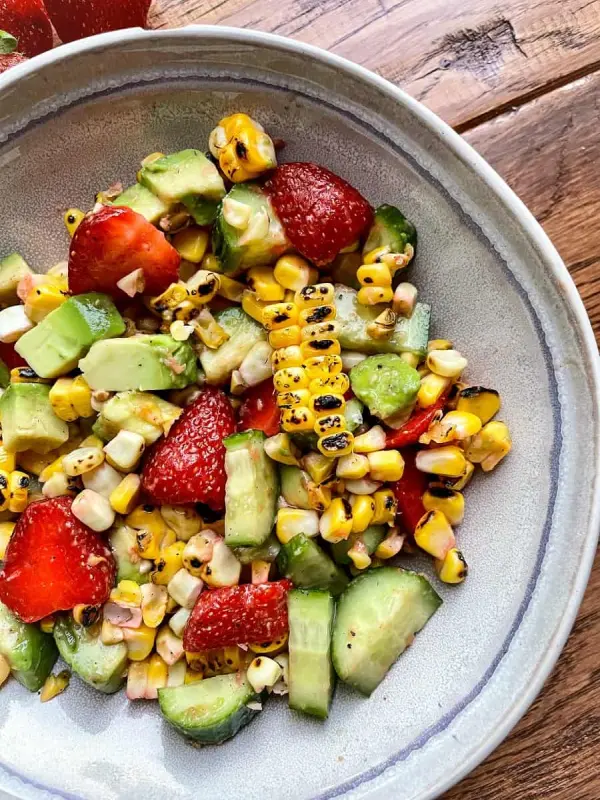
(30, 653)
(55, 346)
(143, 201)
(243, 332)
(100, 665)
(138, 412)
(28, 420)
(12, 269)
(386, 384)
(175, 177)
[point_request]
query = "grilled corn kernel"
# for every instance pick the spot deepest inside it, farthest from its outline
(262, 281)
(336, 523)
(81, 397)
(82, 460)
(230, 289)
(484, 403)
(287, 357)
(321, 330)
(73, 218)
(158, 674)
(323, 366)
(312, 316)
(321, 347)
(458, 484)
(335, 384)
(123, 499)
(127, 593)
(93, 510)
(209, 331)
(4, 491)
(6, 531)
(292, 521)
(263, 673)
(453, 567)
(336, 444)
(447, 363)
(60, 400)
(490, 445)
(273, 646)
(223, 569)
(451, 502)
(439, 344)
(373, 295)
(199, 551)
(203, 286)
(173, 295)
(191, 243)
(431, 389)
(292, 399)
(405, 299)
(327, 403)
(18, 488)
(449, 461)
(371, 441)
(386, 465)
(375, 256)
(253, 306)
(291, 379)
(125, 450)
(45, 298)
(374, 275)
(318, 466)
(330, 424)
(434, 534)
(47, 625)
(26, 375)
(279, 315)
(168, 564)
(280, 448)
(391, 545)
(353, 466)
(185, 588)
(153, 603)
(319, 497)
(55, 685)
(384, 326)
(168, 646)
(294, 273)
(315, 294)
(297, 419)
(139, 641)
(8, 461)
(454, 426)
(285, 337)
(184, 520)
(242, 147)
(363, 510)
(385, 507)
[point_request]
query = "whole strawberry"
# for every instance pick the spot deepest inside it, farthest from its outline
(28, 22)
(8, 55)
(10, 60)
(76, 19)
(188, 465)
(320, 212)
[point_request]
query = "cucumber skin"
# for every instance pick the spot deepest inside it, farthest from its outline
(35, 652)
(297, 561)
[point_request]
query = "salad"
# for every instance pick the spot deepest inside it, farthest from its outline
(222, 422)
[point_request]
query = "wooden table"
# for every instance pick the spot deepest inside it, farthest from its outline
(521, 81)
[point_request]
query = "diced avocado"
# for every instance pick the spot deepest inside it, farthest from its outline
(391, 228)
(311, 676)
(179, 175)
(123, 544)
(143, 201)
(56, 344)
(243, 332)
(101, 666)
(28, 420)
(4, 375)
(30, 653)
(307, 565)
(344, 269)
(410, 336)
(386, 384)
(142, 362)
(371, 538)
(251, 490)
(268, 551)
(12, 269)
(138, 412)
(261, 241)
(203, 209)
(211, 711)
(294, 486)
(377, 617)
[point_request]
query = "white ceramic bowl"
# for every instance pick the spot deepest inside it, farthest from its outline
(79, 118)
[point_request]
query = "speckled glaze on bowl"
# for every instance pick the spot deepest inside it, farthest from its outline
(81, 117)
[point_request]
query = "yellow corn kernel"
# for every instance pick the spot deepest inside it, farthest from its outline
(154, 600)
(323, 366)
(451, 502)
(123, 499)
(438, 344)
(313, 316)
(60, 400)
(363, 510)
(294, 273)
(371, 441)
(375, 256)
(151, 158)
(203, 286)
(285, 337)
(26, 375)
(374, 275)
(301, 397)
(431, 389)
(34, 463)
(191, 243)
(484, 403)
(287, 357)
(149, 538)
(276, 645)
(4, 490)
(321, 330)
(90, 441)
(52, 469)
(373, 295)
(335, 384)
(434, 534)
(449, 461)
(320, 347)
(447, 363)
(318, 466)
(330, 424)
(54, 685)
(168, 564)
(454, 426)
(192, 676)
(458, 484)
(262, 281)
(73, 218)
(391, 545)
(335, 524)
(127, 593)
(453, 567)
(490, 445)
(386, 465)
(158, 674)
(173, 295)
(8, 461)
(44, 298)
(383, 328)
(6, 531)
(297, 419)
(385, 507)
(352, 467)
(292, 521)
(319, 497)
(47, 624)
(18, 486)
(337, 444)
(327, 403)
(279, 315)
(4, 670)
(81, 397)
(230, 289)
(139, 641)
(253, 306)
(290, 379)
(359, 555)
(242, 147)
(315, 294)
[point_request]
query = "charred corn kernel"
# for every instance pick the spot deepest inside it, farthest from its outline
(359, 555)
(242, 147)
(269, 647)
(434, 534)
(318, 466)
(18, 487)
(447, 363)
(71, 398)
(184, 520)
(47, 624)
(26, 375)
(280, 448)
(263, 673)
(81, 397)
(385, 507)
(123, 499)
(405, 299)
(82, 460)
(191, 676)
(253, 306)
(327, 403)
(386, 465)
(375, 256)
(294, 273)
(320, 347)
(490, 445)
(391, 545)
(376, 274)
(127, 593)
(384, 326)
(314, 316)
(353, 466)
(230, 289)
(363, 510)
(453, 568)
(153, 603)
(315, 294)
(93, 510)
(449, 501)
(431, 389)
(203, 286)
(262, 281)
(292, 521)
(8, 461)
(168, 564)
(285, 337)
(199, 551)
(287, 357)
(319, 497)
(191, 243)
(335, 524)
(321, 330)
(58, 485)
(454, 426)
(336, 444)
(323, 366)
(371, 441)
(223, 569)
(54, 685)
(449, 461)
(185, 588)
(73, 218)
(279, 315)
(297, 419)
(330, 424)
(125, 450)
(301, 397)
(438, 344)
(484, 403)
(151, 528)
(4, 490)
(168, 646)
(173, 295)
(6, 531)
(185, 312)
(290, 379)
(373, 295)
(209, 331)
(458, 484)
(139, 641)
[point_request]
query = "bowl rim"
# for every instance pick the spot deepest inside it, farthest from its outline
(526, 221)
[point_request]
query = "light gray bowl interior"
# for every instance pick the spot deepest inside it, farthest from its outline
(526, 537)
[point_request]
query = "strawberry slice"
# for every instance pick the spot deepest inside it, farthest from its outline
(10, 357)
(188, 465)
(29, 22)
(259, 410)
(245, 614)
(114, 242)
(54, 562)
(10, 60)
(320, 212)
(75, 19)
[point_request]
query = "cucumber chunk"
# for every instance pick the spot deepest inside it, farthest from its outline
(211, 711)
(268, 551)
(251, 491)
(377, 617)
(309, 567)
(294, 482)
(390, 228)
(311, 676)
(101, 666)
(243, 332)
(30, 653)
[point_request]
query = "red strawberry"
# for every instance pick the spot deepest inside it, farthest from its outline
(75, 19)
(114, 242)
(188, 465)
(320, 212)
(9, 355)
(10, 60)
(28, 21)
(246, 614)
(54, 562)
(259, 410)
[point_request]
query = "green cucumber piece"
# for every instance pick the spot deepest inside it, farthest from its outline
(268, 551)
(377, 617)
(294, 482)
(371, 538)
(211, 711)
(30, 653)
(251, 490)
(244, 333)
(308, 566)
(101, 666)
(390, 229)
(311, 677)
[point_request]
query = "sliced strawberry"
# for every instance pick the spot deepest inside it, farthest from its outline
(54, 562)
(29, 22)
(76, 19)
(114, 242)
(188, 466)
(10, 60)
(9, 355)
(320, 212)
(259, 410)
(245, 614)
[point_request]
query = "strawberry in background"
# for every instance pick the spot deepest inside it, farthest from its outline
(8, 55)
(28, 22)
(76, 19)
